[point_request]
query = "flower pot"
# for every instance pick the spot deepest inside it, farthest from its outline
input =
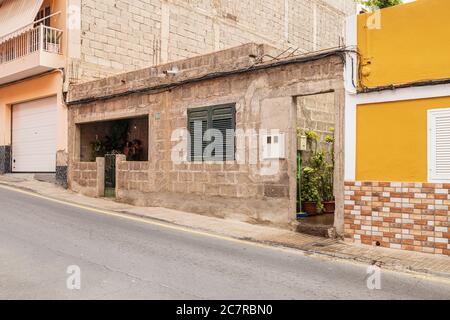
(329, 207)
(310, 208)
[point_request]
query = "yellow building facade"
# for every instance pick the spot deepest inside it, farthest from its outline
(398, 128)
(392, 139)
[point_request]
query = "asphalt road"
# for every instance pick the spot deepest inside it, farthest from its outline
(121, 258)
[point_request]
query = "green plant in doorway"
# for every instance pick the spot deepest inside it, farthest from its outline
(313, 140)
(317, 180)
(310, 192)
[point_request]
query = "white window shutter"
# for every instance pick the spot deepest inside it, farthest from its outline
(439, 145)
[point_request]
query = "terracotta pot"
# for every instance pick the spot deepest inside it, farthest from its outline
(329, 207)
(310, 208)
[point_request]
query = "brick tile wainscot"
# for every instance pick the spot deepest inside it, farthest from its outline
(408, 216)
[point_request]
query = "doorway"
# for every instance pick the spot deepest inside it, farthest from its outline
(316, 163)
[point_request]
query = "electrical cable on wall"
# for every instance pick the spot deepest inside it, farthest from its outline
(339, 52)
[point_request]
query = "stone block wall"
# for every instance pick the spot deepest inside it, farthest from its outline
(132, 175)
(83, 178)
(408, 216)
(127, 35)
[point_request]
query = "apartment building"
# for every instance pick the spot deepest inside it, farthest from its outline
(46, 45)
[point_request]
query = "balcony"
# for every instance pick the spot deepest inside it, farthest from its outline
(30, 53)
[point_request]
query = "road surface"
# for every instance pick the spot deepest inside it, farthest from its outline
(121, 258)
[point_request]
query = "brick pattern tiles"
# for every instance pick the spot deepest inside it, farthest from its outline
(408, 216)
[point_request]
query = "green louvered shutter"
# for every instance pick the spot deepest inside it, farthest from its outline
(223, 119)
(197, 119)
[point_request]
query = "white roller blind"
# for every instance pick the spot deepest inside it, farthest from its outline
(17, 16)
(439, 145)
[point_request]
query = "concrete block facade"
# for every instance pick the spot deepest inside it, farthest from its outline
(264, 99)
(129, 35)
(408, 216)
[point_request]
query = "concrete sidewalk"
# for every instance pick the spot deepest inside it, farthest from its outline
(402, 261)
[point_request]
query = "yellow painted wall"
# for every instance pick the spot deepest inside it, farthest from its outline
(35, 88)
(392, 140)
(412, 45)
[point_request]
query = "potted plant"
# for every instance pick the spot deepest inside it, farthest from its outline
(310, 195)
(317, 187)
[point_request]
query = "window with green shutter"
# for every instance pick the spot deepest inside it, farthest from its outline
(217, 123)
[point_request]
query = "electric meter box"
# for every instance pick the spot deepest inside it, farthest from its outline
(302, 143)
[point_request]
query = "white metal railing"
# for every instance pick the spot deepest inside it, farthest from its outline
(40, 38)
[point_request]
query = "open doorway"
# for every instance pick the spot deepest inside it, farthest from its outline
(316, 163)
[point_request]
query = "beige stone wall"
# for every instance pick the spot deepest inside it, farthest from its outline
(125, 35)
(84, 178)
(133, 176)
(264, 99)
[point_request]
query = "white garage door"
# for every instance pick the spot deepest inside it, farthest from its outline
(34, 136)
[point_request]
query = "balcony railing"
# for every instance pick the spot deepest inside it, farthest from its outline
(40, 38)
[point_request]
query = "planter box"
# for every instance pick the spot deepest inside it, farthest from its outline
(329, 207)
(310, 208)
